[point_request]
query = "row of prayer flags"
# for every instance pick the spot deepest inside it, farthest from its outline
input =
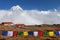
(33, 33)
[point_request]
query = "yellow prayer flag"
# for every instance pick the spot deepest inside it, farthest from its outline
(51, 33)
(25, 33)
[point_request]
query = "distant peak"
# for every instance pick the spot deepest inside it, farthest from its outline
(17, 7)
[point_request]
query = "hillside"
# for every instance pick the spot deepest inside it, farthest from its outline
(29, 28)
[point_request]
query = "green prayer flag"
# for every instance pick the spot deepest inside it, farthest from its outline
(46, 33)
(20, 33)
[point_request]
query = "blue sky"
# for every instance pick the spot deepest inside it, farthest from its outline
(30, 4)
(39, 11)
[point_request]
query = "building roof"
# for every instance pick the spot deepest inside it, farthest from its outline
(7, 22)
(19, 24)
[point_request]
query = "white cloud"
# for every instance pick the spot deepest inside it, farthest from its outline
(30, 17)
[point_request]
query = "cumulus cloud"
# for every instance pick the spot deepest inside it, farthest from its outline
(30, 17)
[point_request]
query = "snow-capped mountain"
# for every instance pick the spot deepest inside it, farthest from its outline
(30, 17)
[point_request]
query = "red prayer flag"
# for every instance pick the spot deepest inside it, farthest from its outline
(41, 33)
(15, 33)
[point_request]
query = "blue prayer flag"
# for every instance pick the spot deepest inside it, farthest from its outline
(4, 33)
(56, 33)
(30, 33)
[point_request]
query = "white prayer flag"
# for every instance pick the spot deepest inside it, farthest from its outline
(59, 32)
(10, 33)
(35, 33)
